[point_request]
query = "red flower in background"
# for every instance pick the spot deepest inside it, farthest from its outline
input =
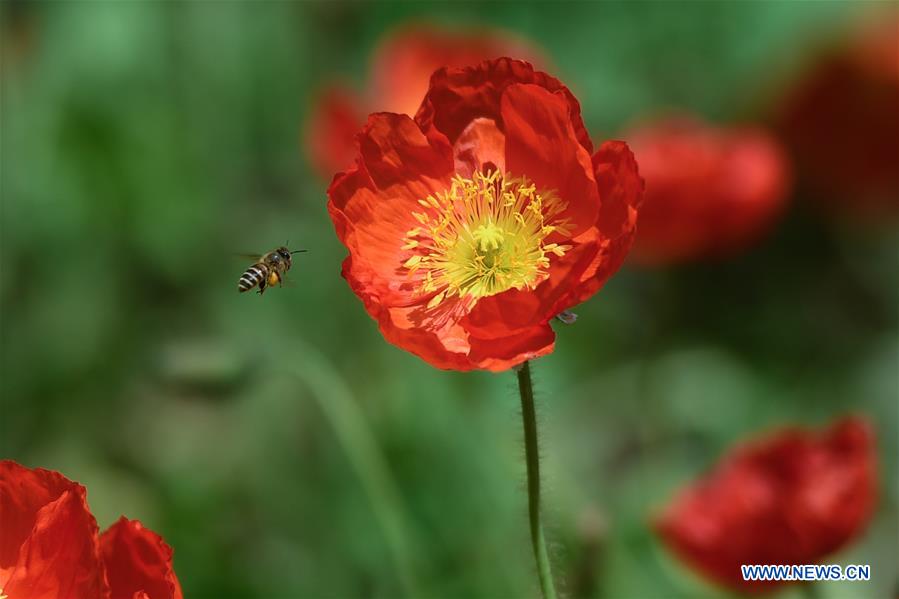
(710, 191)
(400, 69)
(841, 122)
(470, 227)
(792, 498)
(334, 121)
(50, 547)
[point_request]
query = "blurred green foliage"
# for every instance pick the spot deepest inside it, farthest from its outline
(145, 143)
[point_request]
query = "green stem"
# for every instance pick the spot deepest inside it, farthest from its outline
(532, 456)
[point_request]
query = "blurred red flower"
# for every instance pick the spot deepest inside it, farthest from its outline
(710, 191)
(400, 70)
(50, 547)
(470, 227)
(792, 498)
(841, 122)
(335, 119)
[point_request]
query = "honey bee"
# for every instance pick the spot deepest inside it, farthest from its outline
(268, 270)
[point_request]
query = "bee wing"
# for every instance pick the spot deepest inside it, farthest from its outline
(284, 280)
(251, 257)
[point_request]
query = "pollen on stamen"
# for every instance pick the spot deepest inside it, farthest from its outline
(482, 236)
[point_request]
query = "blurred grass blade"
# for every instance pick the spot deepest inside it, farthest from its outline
(339, 407)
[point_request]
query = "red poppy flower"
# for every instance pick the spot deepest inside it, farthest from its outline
(50, 547)
(474, 224)
(400, 70)
(709, 191)
(792, 498)
(841, 119)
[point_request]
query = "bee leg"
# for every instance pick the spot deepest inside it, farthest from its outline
(262, 287)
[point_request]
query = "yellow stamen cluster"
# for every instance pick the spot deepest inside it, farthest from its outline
(482, 236)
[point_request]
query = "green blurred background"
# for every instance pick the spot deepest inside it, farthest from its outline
(280, 445)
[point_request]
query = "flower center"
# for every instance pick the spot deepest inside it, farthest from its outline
(484, 235)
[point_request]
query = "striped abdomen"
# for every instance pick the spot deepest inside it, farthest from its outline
(252, 277)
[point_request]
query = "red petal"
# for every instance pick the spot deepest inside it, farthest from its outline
(480, 148)
(396, 154)
(401, 70)
(443, 341)
(457, 96)
(620, 192)
(504, 353)
(23, 492)
(405, 61)
(620, 189)
(335, 118)
(138, 562)
(453, 347)
(541, 143)
(444, 348)
(372, 204)
(59, 554)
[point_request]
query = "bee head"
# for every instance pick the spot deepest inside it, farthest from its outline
(283, 252)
